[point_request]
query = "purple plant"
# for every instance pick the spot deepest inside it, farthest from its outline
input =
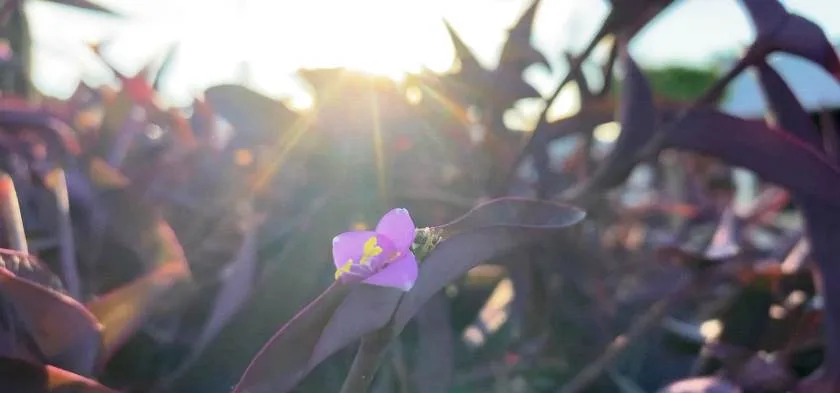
(152, 254)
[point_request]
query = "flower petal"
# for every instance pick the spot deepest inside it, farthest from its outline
(349, 245)
(400, 274)
(398, 226)
(361, 253)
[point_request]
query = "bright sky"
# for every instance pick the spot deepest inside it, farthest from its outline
(275, 37)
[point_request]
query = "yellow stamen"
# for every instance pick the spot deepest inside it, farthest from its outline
(343, 269)
(370, 250)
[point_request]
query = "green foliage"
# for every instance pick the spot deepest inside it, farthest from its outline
(678, 82)
(681, 83)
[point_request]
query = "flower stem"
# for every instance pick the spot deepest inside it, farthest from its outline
(364, 367)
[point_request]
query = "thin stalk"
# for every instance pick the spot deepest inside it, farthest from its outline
(367, 360)
(67, 246)
(641, 326)
(12, 219)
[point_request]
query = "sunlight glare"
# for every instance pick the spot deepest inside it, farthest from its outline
(607, 132)
(300, 101)
(413, 95)
(382, 37)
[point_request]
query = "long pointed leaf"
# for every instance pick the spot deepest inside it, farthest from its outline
(757, 146)
(776, 29)
(638, 121)
(787, 109)
(25, 377)
(272, 367)
(67, 244)
(66, 333)
(435, 365)
(488, 231)
(123, 310)
(517, 53)
(469, 63)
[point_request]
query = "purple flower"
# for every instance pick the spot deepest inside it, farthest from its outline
(382, 257)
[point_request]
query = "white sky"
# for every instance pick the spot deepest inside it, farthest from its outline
(275, 37)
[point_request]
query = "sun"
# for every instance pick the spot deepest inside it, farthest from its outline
(383, 37)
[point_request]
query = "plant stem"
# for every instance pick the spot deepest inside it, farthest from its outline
(367, 360)
(589, 374)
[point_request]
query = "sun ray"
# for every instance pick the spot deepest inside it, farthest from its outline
(378, 151)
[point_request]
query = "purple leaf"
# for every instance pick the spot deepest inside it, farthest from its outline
(767, 16)
(57, 182)
(25, 377)
(788, 112)
(470, 66)
(638, 122)
(60, 138)
(365, 310)
(236, 288)
(584, 91)
(757, 146)
(822, 223)
(488, 231)
(517, 53)
(132, 125)
(255, 117)
(28, 267)
(280, 362)
(776, 29)
(65, 332)
(123, 310)
(434, 367)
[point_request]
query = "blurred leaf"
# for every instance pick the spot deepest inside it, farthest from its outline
(57, 183)
(277, 368)
(517, 53)
(754, 145)
(65, 332)
(23, 377)
(434, 367)
(114, 115)
(123, 310)
(238, 278)
(104, 176)
(787, 110)
(60, 138)
(255, 117)
(776, 29)
(638, 121)
(470, 66)
(28, 267)
(279, 364)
